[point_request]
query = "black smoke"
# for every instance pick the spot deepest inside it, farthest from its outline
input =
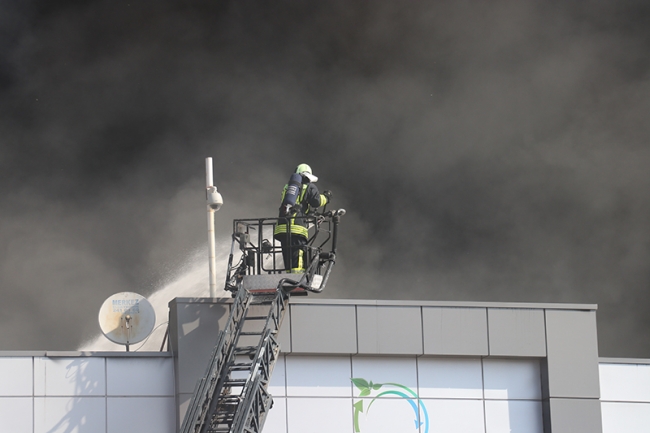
(487, 151)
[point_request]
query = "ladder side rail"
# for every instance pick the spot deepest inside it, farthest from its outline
(278, 308)
(268, 359)
(254, 404)
(252, 416)
(264, 358)
(267, 354)
(259, 409)
(255, 413)
(206, 388)
(250, 388)
(218, 376)
(228, 360)
(255, 397)
(190, 415)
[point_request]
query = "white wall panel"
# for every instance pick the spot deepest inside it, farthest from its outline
(455, 416)
(16, 415)
(39, 375)
(16, 376)
(512, 379)
(141, 414)
(320, 415)
(276, 420)
(69, 415)
(625, 382)
(385, 415)
(514, 416)
(385, 370)
(140, 376)
(450, 378)
(70, 376)
(625, 417)
(70, 394)
(277, 384)
(319, 376)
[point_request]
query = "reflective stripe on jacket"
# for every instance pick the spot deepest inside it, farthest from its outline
(309, 198)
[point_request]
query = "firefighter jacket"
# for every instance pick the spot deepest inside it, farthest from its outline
(308, 200)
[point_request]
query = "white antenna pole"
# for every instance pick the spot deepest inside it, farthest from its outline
(209, 184)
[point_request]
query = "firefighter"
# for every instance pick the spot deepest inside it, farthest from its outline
(300, 197)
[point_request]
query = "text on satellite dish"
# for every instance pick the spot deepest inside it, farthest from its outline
(126, 305)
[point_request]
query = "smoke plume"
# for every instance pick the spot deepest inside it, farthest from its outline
(487, 151)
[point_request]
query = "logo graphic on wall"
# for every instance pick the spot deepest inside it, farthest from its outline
(367, 389)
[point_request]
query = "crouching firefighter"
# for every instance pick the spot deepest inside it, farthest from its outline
(300, 197)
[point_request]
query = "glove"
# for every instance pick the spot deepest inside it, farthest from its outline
(327, 193)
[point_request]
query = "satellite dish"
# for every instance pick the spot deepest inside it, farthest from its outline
(126, 318)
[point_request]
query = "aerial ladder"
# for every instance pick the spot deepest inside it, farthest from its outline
(233, 396)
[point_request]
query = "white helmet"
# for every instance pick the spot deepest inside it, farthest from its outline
(305, 170)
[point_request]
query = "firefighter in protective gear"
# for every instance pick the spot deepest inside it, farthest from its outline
(300, 197)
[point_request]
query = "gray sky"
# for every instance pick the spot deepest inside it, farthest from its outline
(487, 151)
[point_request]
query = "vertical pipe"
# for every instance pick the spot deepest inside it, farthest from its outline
(211, 235)
(208, 173)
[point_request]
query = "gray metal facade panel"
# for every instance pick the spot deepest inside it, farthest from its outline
(182, 403)
(575, 415)
(516, 332)
(455, 331)
(572, 360)
(453, 304)
(27, 353)
(197, 328)
(389, 330)
(323, 329)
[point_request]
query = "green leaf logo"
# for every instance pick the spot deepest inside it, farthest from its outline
(366, 388)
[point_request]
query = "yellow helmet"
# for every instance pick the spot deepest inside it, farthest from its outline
(305, 170)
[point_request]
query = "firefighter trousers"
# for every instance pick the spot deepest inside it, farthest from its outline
(293, 252)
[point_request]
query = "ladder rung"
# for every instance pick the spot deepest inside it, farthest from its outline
(236, 382)
(256, 318)
(245, 350)
(268, 300)
(228, 401)
(251, 332)
(241, 367)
